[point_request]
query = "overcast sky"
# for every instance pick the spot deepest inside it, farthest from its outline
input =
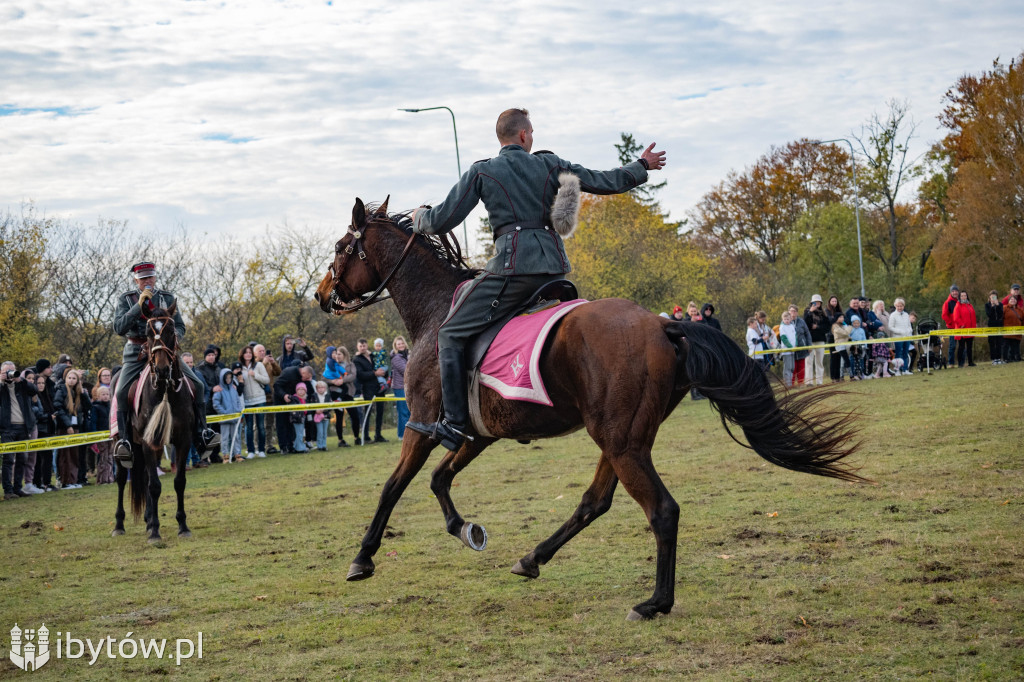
(236, 117)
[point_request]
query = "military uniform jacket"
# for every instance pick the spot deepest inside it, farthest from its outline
(519, 187)
(129, 322)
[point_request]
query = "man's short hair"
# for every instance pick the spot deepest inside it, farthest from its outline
(510, 122)
(187, 353)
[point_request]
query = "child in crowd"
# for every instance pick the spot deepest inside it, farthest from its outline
(320, 418)
(841, 334)
(229, 401)
(857, 353)
(380, 362)
(882, 355)
(101, 422)
(298, 419)
(787, 337)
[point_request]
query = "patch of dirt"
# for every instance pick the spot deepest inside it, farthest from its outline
(335, 497)
(771, 639)
(748, 534)
(887, 541)
(393, 533)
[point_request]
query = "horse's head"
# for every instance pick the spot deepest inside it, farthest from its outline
(162, 338)
(352, 274)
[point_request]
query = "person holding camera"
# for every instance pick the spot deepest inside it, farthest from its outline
(130, 322)
(16, 421)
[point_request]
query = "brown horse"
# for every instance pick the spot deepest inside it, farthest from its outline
(165, 417)
(610, 367)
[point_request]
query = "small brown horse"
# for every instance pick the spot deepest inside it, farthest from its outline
(165, 417)
(612, 368)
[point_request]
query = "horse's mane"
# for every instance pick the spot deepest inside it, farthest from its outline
(446, 248)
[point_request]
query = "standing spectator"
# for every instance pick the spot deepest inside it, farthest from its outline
(841, 339)
(913, 344)
(209, 369)
(399, 359)
(833, 311)
(340, 375)
(73, 408)
(881, 355)
(678, 314)
(947, 317)
(854, 309)
(16, 422)
(366, 383)
(787, 339)
(1014, 291)
(254, 380)
(380, 365)
(707, 316)
(692, 314)
(321, 418)
(1013, 316)
(273, 371)
(193, 455)
(298, 418)
(994, 312)
(767, 336)
(878, 309)
(803, 340)
(899, 325)
(964, 317)
(103, 377)
(284, 389)
(63, 362)
(42, 408)
(818, 326)
(229, 401)
(101, 422)
(294, 352)
(29, 470)
(857, 351)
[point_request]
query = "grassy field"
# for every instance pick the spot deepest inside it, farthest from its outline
(779, 575)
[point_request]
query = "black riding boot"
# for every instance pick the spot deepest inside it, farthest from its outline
(203, 437)
(123, 448)
(450, 431)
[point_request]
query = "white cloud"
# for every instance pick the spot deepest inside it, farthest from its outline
(230, 116)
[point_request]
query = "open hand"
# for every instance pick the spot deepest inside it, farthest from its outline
(655, 160)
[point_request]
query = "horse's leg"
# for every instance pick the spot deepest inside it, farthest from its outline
(596, 501)
(152, 499)
(122, 480)
(181, 457)
(636, 471)
(474, 536)
(415, 449)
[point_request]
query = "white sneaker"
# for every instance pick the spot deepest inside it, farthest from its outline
(31, 489)
(250, 455)
(261, 454)
(72, 486)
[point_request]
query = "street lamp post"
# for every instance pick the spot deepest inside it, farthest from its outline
(458, 160)
(856, 204)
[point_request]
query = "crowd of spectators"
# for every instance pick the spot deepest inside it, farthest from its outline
(820, 325)
(53, 400)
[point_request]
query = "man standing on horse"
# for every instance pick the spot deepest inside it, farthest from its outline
(130, 322)
(517, 189)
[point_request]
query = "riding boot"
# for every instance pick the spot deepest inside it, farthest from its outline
(450, 431)
(123, 448)
(203, 437)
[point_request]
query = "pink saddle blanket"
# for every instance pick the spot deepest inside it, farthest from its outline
(134, 394)
(512, 363)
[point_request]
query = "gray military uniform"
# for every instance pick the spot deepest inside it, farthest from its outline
(129, 322)
(517, 189)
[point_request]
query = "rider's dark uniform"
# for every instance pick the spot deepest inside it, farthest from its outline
(517, 189)
(130, 323)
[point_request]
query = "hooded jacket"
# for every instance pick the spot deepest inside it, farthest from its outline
(254, 387)
(227, 400)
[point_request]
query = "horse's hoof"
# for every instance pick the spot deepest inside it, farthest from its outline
(116, 532)
(359, 571)
(185, 534)
(474, 536)
(155, 541)
(634, 615)
(527, 568)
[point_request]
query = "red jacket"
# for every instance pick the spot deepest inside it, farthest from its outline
(947, 310)
(964, 317)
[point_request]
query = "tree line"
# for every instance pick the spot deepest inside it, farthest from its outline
(773, 233)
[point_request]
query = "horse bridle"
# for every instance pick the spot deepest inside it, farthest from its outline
(158, 345)
(352, 247)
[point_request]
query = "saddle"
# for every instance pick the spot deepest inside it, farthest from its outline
(134, 396)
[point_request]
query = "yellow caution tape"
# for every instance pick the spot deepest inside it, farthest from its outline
(974, 331)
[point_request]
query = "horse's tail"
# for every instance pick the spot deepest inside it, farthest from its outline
(138, 481)
(791, 431)
(158, 428)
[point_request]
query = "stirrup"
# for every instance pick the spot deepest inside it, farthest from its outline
(123, 453)
(209, 438)
(442, 432)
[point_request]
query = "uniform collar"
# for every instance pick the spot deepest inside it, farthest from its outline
(509, 148)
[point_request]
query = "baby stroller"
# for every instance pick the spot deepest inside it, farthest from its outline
(929, 350)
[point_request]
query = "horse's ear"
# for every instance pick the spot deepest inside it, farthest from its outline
(383, 209)
(173, 309)
(358, 214)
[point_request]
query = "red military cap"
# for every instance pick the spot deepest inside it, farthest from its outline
(144, 269)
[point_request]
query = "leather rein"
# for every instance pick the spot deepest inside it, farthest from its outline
(158, 346)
